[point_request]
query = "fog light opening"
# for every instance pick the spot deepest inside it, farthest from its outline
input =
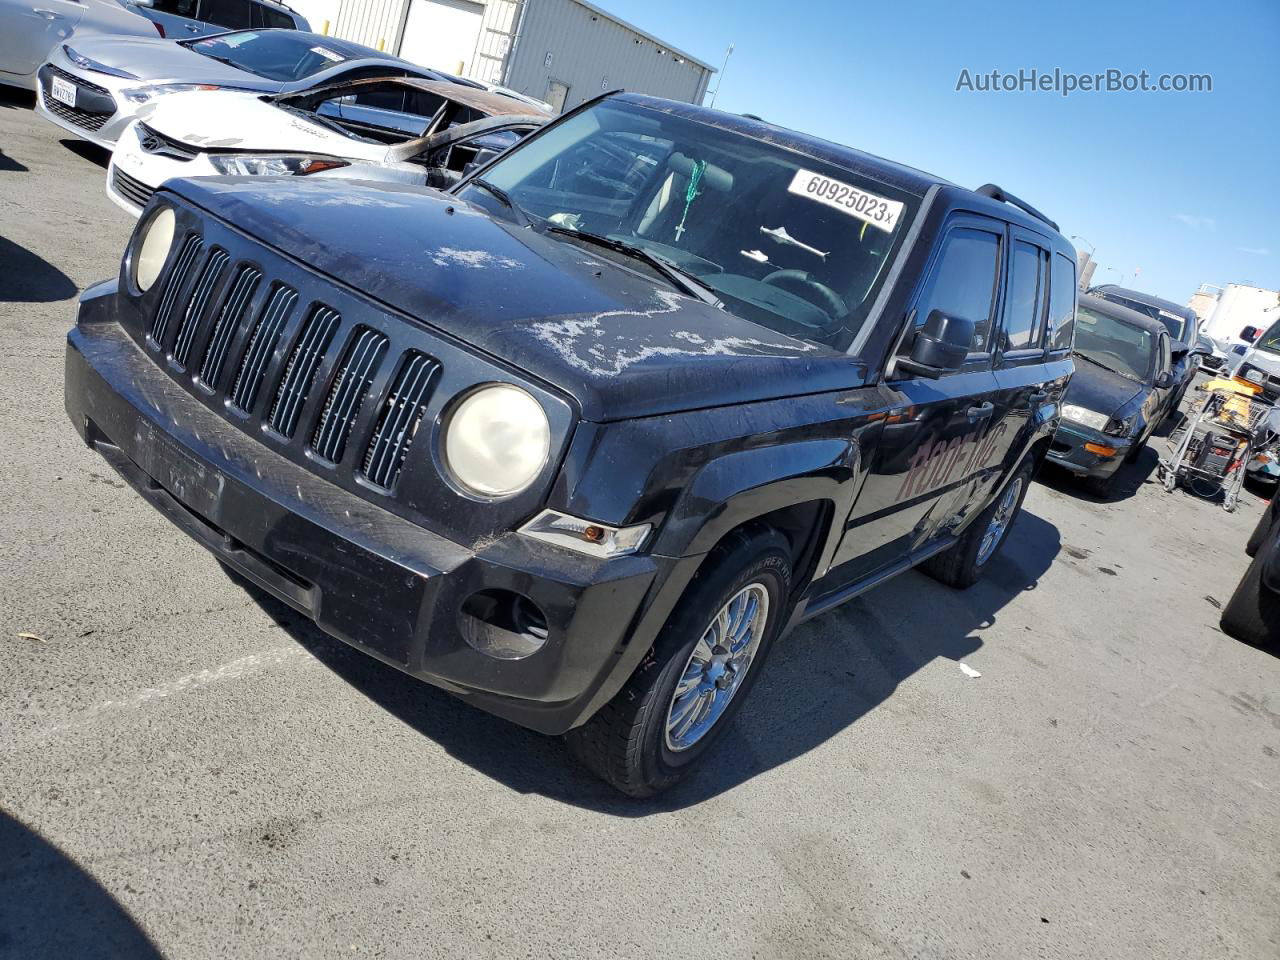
(503, 624)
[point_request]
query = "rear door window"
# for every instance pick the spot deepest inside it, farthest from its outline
(962, 283)
(267, 17)
(232, 14)
(1023, 326)
(1062, 303)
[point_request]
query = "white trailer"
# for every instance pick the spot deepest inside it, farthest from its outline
(1229, 309)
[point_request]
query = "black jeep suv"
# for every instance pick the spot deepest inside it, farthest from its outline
(580, 439)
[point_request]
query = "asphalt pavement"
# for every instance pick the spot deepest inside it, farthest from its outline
(189, 770)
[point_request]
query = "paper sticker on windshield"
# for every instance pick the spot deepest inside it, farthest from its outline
(327, 54)
(236, 39)
(878, 211)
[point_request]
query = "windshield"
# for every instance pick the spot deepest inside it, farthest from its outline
(1269, 342)
(1124, 348)
(786, 241)
(275, 55)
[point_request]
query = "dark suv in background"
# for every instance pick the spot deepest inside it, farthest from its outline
(1181, 322)
(580, 439)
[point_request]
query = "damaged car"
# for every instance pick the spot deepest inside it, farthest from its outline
(95, 86)
(355, 130)
(581, 438)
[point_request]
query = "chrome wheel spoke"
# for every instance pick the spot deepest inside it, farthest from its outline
(716, 665)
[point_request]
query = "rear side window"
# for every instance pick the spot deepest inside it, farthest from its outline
(177, 8)
(962, 283)
(1062, 303)
(1024, 304)
(266, 18)
(232, 14)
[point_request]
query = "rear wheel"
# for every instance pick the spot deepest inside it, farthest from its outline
(703, 664)
(962, 564)
(1260, 531)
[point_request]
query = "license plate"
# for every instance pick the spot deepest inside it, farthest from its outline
(63, 91)
(177, 471)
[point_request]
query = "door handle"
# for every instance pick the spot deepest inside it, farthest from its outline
(191, 29)
(48, 14)
(981, 411)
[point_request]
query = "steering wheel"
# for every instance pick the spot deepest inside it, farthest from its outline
(804, 286)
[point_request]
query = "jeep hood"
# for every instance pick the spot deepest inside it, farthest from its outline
(230, 120)
(619, 341)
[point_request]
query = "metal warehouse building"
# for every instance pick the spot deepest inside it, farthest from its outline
(562, 51)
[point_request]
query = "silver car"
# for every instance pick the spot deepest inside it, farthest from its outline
(29, 29)
(96, 87)
(179, 19)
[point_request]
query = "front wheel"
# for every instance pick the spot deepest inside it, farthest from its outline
(1253, 612)
(962, 564)
(703, 664)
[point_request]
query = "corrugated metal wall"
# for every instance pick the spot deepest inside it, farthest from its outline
(592, 53)
(556, 40)
(375, 23)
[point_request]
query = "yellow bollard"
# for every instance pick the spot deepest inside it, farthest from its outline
(325, 29)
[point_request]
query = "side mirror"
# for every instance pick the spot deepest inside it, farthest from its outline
(1164, 381)
(940, 345)
(1250, 334)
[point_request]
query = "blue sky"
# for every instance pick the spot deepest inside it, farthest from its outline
(1181, 186)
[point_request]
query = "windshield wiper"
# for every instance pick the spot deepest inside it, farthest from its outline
(681, 279)
(1104, 366)
(503, 197)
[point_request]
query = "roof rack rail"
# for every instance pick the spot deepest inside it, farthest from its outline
(999, 193)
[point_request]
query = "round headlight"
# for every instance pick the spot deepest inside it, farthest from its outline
(497, 441)
(153, 248)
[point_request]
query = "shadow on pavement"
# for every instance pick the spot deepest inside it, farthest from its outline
(820, 680)
(10, 165)
(88, 151)
(26, 277)
(11, 98)
(51, 908)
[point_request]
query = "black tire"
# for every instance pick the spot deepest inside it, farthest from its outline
(625, 743)
(1136, 450)
(1260, 531)
(958, 566)
(1100, 486)
(1253, 612)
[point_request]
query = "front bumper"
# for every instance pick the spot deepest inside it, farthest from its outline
(98, 116)
(1068, 451)
(366, 576)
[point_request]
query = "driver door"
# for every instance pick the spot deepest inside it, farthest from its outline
(937, 441)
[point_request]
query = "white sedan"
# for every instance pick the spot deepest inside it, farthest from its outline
(332, 131)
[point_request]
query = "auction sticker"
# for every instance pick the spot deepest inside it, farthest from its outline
(878, 211)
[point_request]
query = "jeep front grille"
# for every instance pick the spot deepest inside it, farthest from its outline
(188, 253)
(350, 387)
(330, 385)
(300, 374)
(398, 422)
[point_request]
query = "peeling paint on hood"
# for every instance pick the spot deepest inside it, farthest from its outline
(618, 340)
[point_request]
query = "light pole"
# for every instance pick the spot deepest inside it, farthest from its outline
(719, 83)
(1121, 274)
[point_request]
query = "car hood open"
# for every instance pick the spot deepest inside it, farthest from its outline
(153, 60)
(619, 341)
(228, 120)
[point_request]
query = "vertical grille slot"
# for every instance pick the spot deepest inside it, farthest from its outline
(182, 265)
(261, 345)
(209, 278)
(300, 372)
(399, 419)
(355, 375)
(224, 328)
